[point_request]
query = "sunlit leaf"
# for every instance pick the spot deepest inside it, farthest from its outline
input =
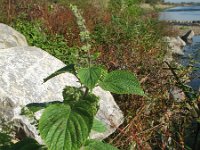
(90, 76)
(66, 128)
(122, 82)
(98, 126)
(69, 68)
(98, 145)
(27, 144)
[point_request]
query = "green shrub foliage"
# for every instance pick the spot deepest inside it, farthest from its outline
(67, 125)
(121, 82)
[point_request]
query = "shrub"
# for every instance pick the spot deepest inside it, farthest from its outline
(67, 125)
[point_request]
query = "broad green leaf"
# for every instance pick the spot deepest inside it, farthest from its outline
(66, 128)
(31, 108)
(69, 68)
(98, 126)
(27, 144)
(98, 145)
(122, 82)
(90, 76)
(5, 141)
(89, 106)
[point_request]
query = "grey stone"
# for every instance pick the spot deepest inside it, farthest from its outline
(22, 70)
(10, 37)
(176, 94)
(175, 47)
(6, 107)
(188, 36)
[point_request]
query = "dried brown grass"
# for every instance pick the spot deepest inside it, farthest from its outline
(142, 123)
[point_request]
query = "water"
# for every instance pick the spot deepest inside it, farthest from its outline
(192, 51)
(186, 13)
(192, 57)
(179, 1)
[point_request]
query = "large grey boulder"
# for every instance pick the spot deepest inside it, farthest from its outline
(10, 37)
(22, 70)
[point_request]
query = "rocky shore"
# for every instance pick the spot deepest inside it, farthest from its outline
(175, 44)
(182, 29)
(157, 6)
(176, 50)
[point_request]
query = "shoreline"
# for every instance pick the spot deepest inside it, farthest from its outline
(162, 6)
(157, 6)
(177, 51)
(182, 29)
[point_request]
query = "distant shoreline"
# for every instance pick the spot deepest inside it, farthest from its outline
(182, 29)
(163, 6)
(186, 23)
(157, 6)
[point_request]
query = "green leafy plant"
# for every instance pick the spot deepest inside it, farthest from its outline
(27, 144)
(66, 125)
(97, 145)
(5, 140)
(37, 36)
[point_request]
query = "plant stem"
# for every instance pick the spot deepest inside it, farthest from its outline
(86, 92)
(185, 90)
(89, 56)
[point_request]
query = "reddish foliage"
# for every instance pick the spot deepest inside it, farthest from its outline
(131, 55)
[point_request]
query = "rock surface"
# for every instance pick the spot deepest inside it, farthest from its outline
(188, 36)
(176, 94)
(22, 70)
(176, 44)
(175, 47)
(10, 37)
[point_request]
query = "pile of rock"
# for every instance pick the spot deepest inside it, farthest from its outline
(175, 45)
